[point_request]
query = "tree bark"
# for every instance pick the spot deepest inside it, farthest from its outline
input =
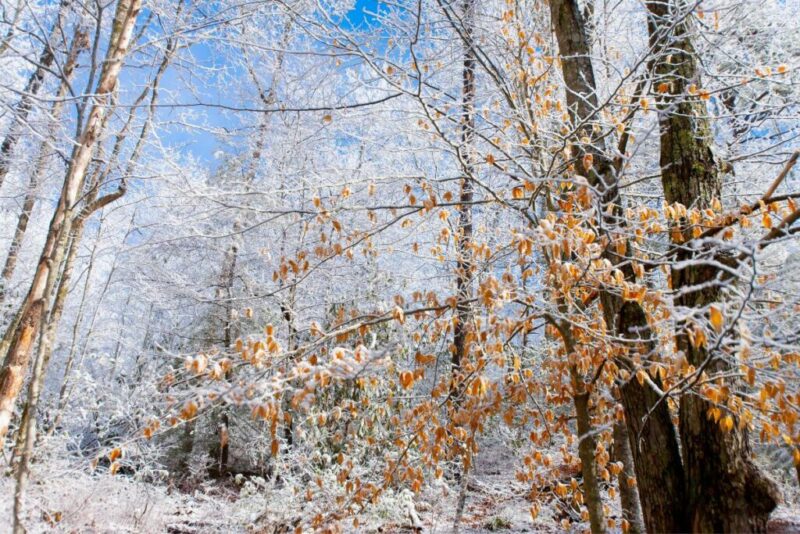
(628, 496)
(464, 263)
(726, 492)
(587, 446)
(20, 337)
(659, 472)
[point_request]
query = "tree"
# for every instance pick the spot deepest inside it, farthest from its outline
(78, 44)
(378, 254)
(726, 490)
(657, 461)
(32, 88)
(23, 331)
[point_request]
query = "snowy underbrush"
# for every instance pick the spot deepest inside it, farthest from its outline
(66, 494)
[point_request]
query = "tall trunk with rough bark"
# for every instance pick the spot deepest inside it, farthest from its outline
(725, 489)
(464, 263)
(465, 268)
(22, 333)
(654, 446)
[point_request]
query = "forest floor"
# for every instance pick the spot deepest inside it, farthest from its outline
(62, 499)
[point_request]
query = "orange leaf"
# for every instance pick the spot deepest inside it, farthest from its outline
(406, 379)
(717, 319)
(726, 423)
(115, 454)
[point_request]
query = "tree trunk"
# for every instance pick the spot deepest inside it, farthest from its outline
(628, 495)
(25, 442)
(65, 391)
(726, 492)
(224, 294)
(12, 27)
(26, 436)
(20, 338)
(464, 263)
(656, 456)
(464, 260)
(40, 168)
(25, 104)
(587, 446)
(653, 437)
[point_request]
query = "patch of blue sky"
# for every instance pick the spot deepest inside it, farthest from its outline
(191, 111)
(363, 14)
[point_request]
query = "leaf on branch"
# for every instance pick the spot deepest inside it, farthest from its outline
(716, 317)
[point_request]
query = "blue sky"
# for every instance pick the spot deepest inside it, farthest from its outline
(359, 15)
(202, 144)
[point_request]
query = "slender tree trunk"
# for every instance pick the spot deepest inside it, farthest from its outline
(25, 104)
(224, 293)
(25, 442)
(725, 489)
(287, 311)
(464, 263)
(12, 27)
(26, 435)
(66, 388)
(20, 338)
(656, 456)
(464, 260)
(587, 447)
(40, 168)
(628, 496)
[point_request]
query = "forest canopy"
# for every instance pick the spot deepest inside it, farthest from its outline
(379, 266)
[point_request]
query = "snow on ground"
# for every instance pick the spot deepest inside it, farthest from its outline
(65, 499)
